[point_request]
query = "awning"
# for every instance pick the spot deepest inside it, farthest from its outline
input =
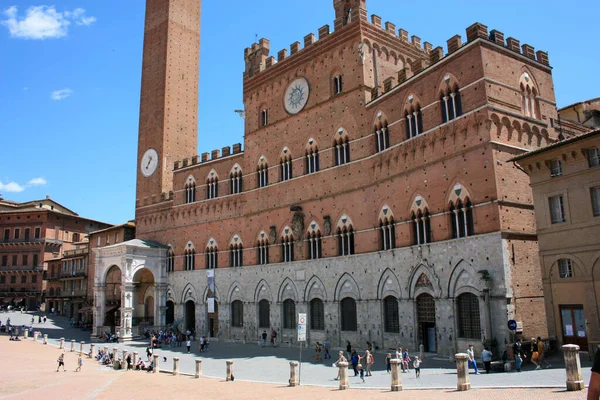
(85, 309)
(7, 300)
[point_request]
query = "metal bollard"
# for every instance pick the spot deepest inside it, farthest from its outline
(62, 343)
(343, 374)
(72, 345)
(175, 366)
(156, 366)
(198, 368)
(573, 367)
(229, 376)
(81, 344)
(396, 377)
(462, 372)
(294, 381)
(45, 338)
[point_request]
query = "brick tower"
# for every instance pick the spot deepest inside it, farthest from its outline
(169, 95)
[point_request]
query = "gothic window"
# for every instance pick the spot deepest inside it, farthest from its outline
(212, 256)
(468, 316)
(345, 240)
(262, 252)
(348, 306)
(287, 246)
(264, 314)
(317, 315)
(285, 167)
(190, 259)
(236, 255)
(390, 314)
(170, 260)
(190, 190)
(264, 117)
(341, 149)
(337, 84)
(312, 160)
(421, 227)
(461, 217)
(235, 181)
(262, 174)
(451, 104)
(555, 168)
(383, 137)
(289, 314)
(212, 186)
(414, 121)
(565, 268)
(387, 233)
(529, 102)
(237, 314)
(557, 209)
(314, 245)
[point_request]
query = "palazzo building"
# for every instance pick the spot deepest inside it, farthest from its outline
(373, 190)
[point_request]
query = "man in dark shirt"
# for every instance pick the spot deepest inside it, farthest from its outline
(594, 386)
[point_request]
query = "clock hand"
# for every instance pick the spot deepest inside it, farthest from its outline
(149, 161)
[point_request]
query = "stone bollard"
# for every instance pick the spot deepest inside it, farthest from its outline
(462, 372)
(198, 368)
(92, 348)
(421, 352)
(124, 360)
(62, 343)
(45, 338)
(343, 374)
(134, 359)
(573, 367)
(294, 381)
(25, 333)
(115, 353)
(72, 345)
(156, 366)
(396, 365)
(105, 349)
(35, 335)
(229, 376)
(81, 344)
(175, 366)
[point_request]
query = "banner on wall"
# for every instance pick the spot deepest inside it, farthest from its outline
(210, 274)
(211, 305)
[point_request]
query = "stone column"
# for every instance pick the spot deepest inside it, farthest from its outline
(99, 306)
(462, 372)
(81, 344)
(62, 343)
(45, 338)
(198, 368)
(229, 376)
(92, 350)
(124, 360)
(343, 373)
(573, 367)
(396, 378)
(294, 378)
(175, 366)
(156, 366)
(72, 345)
(134, 359)
(126, 310)
(160, 310)
(25, 333)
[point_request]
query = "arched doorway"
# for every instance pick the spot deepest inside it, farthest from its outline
(170, 315)
(213, 320)
(143, 298)
(190, 315)
(426, 322)
(112, 315)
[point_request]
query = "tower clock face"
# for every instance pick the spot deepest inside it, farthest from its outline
(149, 162)
(296, 95)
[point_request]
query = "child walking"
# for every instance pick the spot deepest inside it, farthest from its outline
(417, 366)
(361, 372)
(388, 362)
(79, 363)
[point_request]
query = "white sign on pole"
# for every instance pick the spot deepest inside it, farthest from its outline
(302, 327)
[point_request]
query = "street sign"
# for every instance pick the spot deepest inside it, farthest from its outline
(512, 325)
(302, 327)
(302, 319)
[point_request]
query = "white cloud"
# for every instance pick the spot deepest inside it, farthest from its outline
(37, 182)
(11, 187)
(43, 22)
(61, 94)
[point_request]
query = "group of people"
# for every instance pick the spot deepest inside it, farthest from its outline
(264, 336)
(61, 363)
(536, 354)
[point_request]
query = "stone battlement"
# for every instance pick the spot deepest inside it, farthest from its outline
(214, 155)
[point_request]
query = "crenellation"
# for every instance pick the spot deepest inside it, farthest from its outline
(403, 35)
(454, 43)
(418, 65)
(237, 148)
(323, 31)
(204, 157)
(255, 57)
(376, 20)
(186, 162)
(195, 159)
(427, 47)
(390, 28)
(177, 164)
(309, 39)
(513, 44)
(436, 55)
(282, 55)
(497, 37)
(416, 41)
(477, 30)
(542, 57)
(388, 84)
(528, 51)
(215, 154)
(404, 74)
(270, 62)
(294, 48)
(225, 151)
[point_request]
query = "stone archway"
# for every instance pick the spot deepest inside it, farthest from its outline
(426, 321)
(139, 295)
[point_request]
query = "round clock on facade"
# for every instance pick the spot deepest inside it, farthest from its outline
(296, 95)
(149, 162)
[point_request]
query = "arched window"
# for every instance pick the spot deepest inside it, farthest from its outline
(170, 260)
(383, 137)
(314, 245)
(421, 227)
(348, 306)
(289, 314)
(387, 233)
(451, 104)
(212, 258)
(469, 323)
(462, 219)
(285, 167)
(312, 160)
(565, 268)
(212, 187)
(235, 181)
(190, 190)
(237, 314)
(236, 255)
(262, 174)
(414, 121)
(529, 101)
(190, 259)
(341, 150)
(345, 241)
(262, 251)
(317, 315)
(287, 246)
(264, 117)
(390, 314)
(264, 314)
(337, 84)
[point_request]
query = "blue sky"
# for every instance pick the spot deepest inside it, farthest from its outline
(70, 79)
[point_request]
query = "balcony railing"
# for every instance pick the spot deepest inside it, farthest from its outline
(13, 268)
(31, 241)
(70, 274)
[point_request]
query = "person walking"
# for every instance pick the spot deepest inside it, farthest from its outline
(264, 339)
(472, 361)
(355, 359)
(486, 357)
(326, 354)
(188, 344)
(349, 349)
(370, 360)
(340, 359)
(399, 357)
(406, 360)
(128, 360)
(361, 371)
(388, 363)
(541, 354)
(417, 366)
(518, 353)
(61, 362)
(79, 363)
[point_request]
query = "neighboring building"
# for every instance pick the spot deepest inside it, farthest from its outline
(33, 233)
(575, 116)
(373, 191)
(565, 178)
